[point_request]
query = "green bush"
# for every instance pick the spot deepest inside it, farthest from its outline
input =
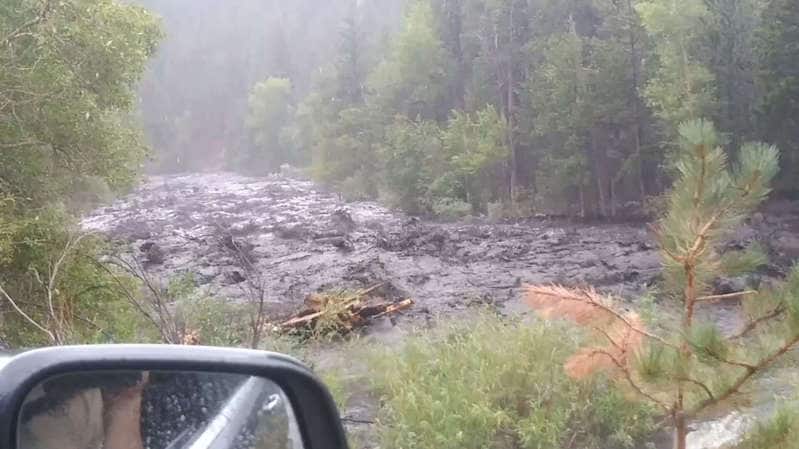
(487, 383)
(496, 211)
(357, 187)
(86, 298)
(216, 321)
(451, 208)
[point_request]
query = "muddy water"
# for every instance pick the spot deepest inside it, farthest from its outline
(300, 240)
(288, 238)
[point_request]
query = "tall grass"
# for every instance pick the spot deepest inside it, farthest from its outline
(493, 384)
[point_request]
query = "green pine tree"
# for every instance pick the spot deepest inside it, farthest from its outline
(690, 365)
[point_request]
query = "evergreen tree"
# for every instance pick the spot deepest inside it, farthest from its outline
(779, 81)
(270, 110)
(682, 87)
(692, 365)
(559, 92)
(474, 146)
(412, 80)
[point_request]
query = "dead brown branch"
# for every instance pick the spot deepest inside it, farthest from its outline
(255, 290)
(57, 324)
(153, 305)
(581, 315)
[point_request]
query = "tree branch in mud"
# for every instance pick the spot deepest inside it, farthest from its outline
(734, 295)
(255, 291)
(340, 313)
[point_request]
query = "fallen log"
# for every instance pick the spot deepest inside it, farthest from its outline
(396, 307)
(300, 320)
(343, 313)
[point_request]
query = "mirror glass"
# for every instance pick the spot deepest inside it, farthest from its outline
(157, 410)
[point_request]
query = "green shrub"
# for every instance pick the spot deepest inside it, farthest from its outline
(89, 192)
(86, 298)
(357, 187)
(451, 208)
(216, 321)
(487, 383)
(334, 380)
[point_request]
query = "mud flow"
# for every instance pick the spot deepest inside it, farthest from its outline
(292, 239)
(228, 229)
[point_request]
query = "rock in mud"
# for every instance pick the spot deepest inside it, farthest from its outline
(235, 277)
(153, 254)
(724, 286)
(342, 221)
(237, 245)
(206, 274)
(339, 241)
(296, 232)
(786, 245)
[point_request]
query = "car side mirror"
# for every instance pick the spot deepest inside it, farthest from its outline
(163, 397)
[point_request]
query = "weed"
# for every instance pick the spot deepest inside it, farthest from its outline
(488, 383)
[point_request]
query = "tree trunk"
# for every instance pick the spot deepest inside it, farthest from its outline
(601, 193)
(510, 102)
(612, 197)
(455, 17)
(599, 173)
(582, 201)
(636, 110)
(680, 430)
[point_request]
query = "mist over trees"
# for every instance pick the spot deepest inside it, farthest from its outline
(194, 99)
(455, 106)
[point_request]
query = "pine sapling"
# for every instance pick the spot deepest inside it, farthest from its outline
(689, 365)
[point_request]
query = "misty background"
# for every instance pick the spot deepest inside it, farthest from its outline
(194, 95)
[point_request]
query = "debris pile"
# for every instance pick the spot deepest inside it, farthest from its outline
(339, 313)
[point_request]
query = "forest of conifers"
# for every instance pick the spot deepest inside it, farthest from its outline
(455, 107)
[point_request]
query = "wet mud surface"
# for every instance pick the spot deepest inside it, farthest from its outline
(291, 239)
(229, 230)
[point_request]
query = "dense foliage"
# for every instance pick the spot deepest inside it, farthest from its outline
(494, 384)
(67, 77)
(588, 96)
